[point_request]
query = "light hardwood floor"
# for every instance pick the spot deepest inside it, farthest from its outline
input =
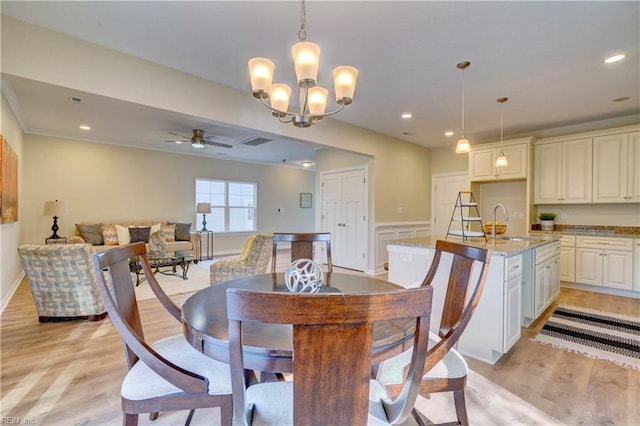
(69, 373)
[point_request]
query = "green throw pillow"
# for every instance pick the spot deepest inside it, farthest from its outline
(92, 234)
(139, 234)
(183, 231)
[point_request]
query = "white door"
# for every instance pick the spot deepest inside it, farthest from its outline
(344, 215)
(443, 199)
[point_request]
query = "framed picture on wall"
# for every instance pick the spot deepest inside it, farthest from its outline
(306, 200)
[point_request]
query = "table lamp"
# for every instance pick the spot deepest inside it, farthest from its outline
(205, 209)
(55, 208)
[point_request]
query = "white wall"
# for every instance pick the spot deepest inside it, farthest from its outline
(10, 233)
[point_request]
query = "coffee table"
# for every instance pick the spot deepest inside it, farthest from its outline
(168, 260)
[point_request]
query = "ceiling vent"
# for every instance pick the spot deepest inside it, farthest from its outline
(257, 141)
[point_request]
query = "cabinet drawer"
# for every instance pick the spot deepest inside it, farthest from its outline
(512, 267)
(605, 243)
(547, 251)
(568, 241)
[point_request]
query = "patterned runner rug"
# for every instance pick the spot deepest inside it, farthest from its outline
(595, 334)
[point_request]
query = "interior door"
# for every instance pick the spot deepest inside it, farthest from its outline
(444, 194)
(344, 215)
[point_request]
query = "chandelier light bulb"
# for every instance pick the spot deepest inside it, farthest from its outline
(317, 100)
(261, 73)
(280, 94)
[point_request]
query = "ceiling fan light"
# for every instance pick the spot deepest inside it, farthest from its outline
(306, 56)
(502, 161)
(463, 145)
(261, 74)
(197, 144)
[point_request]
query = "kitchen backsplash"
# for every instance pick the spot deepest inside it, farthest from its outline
(596, 229)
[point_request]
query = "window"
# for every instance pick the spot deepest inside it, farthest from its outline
(233, 205)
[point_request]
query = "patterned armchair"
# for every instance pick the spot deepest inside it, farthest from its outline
(62, 281)
(253, 260)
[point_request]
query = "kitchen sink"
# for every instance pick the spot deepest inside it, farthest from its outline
(519, 238)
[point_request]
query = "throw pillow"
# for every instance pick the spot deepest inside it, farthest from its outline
(155, 228)
(92, 234)
(123, 235)
(157, 242)
(168, 233)
(183, 231)
(109, 235)
(139, 234)
(248, 246)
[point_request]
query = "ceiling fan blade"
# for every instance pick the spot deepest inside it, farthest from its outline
(221, 145)
(179, 135)
(179, 141)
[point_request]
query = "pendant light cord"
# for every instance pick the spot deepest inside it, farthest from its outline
(463, 102)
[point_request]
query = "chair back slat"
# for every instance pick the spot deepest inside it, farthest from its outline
(302, 246)
(332, 347)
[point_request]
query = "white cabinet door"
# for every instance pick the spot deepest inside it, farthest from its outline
(588, 266)
(617, 269)
(577, 171)
(633, 171)
(540, 288)
(610, 159)
(562, 172)
(482, 163)
(547, 174)
(553, 279)
(567, 267)
(512, 312)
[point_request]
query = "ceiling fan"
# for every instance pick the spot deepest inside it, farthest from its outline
(198, 140)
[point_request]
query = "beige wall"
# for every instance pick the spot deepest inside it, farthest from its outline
(11, 233)
(445, 160)
(111, 183)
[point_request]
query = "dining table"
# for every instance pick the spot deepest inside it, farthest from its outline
(268, 347)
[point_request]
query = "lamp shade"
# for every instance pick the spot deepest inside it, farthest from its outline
(344, 83)
(279, 95)
(306, 56)
(502, 161)
(463, 145)
(317, 100)
(204, 208)
(55, 208)
(261, 74)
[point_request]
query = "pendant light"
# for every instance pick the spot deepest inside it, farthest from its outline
(502, 161)
(463, 146)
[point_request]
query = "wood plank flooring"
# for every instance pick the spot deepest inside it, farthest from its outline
(69, 373)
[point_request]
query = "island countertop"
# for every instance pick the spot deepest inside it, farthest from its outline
(503, 245)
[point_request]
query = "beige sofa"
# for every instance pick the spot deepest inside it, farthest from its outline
(90, 231)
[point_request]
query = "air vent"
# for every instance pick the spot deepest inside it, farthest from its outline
(256, 141)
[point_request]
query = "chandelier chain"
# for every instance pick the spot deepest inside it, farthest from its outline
(302, 34)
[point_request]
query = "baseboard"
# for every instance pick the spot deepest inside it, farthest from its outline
(14, 287)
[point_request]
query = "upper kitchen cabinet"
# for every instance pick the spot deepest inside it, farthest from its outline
(482, 161)
(562, 172)
(616, 168)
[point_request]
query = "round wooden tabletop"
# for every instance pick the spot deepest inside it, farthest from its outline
(267, 347)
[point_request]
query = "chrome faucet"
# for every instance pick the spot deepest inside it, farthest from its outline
(493, 224)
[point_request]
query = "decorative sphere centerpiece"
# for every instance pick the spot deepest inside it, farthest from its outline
(304, 276)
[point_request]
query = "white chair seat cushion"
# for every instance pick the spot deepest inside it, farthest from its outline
(273, 403)
(451, 366)
(141, 382)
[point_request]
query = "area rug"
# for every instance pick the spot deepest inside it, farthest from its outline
(197, 278)
(596, 334)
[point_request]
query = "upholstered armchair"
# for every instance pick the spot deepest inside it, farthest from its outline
(62, 281)
(253, 260)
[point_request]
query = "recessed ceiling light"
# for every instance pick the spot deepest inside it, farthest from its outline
(615, 58)
(85, 127)
(448, 133)
(406, 115)
(306, 164)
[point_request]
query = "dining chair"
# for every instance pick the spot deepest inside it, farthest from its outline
(169, 374)
(302, 246)
(450, 374)
(332, 338)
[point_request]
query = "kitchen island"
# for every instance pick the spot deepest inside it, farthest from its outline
(523, 280)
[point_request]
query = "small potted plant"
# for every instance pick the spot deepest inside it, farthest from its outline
(546, 221)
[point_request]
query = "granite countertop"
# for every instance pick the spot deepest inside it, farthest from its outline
(609, 231)
(504, 245)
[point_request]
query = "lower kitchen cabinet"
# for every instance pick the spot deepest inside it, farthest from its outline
(567, 258)
(606, 262)
(543, 287)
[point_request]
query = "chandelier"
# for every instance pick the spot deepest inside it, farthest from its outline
(502, 161)
(313, 98)
(463, 144)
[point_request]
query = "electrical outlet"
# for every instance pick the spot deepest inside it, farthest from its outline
(563, 216)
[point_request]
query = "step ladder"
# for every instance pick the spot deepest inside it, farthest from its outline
(465, 220)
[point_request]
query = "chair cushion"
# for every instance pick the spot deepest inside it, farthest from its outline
(451, 366)
(141, 382)
(273, 403)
